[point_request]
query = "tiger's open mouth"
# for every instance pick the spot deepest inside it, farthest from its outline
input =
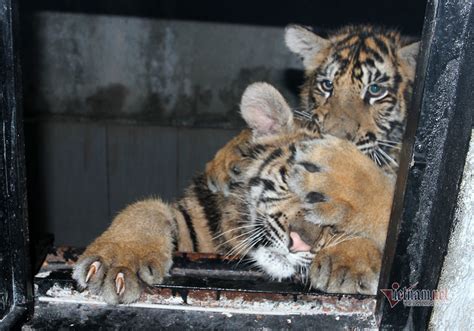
(297, 244)
(281, 262)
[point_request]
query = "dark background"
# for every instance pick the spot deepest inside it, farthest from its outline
(127, 99)
(406, 15)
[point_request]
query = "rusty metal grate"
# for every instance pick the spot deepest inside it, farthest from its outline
(207, 282)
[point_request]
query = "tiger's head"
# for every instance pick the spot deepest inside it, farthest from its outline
(358, 85)
(272, 230)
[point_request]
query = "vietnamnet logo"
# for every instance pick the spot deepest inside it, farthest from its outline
(410, 296)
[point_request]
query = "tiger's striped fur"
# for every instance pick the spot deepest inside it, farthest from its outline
(355, 60)
(258, 194)
(341, 70)
(258, 218)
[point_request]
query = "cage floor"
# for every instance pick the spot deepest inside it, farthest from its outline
(57, 316)
(202, 292)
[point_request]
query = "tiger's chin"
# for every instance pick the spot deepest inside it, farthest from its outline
(280, 264)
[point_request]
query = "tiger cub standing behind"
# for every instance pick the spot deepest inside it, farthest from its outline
(260, 218)
(358, 87)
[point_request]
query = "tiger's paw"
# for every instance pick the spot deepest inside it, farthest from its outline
(340, 186)
(117, 271)
(351, 266)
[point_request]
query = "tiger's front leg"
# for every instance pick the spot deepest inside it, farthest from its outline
(341, 187)
(138, 244)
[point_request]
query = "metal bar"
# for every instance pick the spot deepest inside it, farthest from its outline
(197, 271)
(15, 319)
(213, 284)
(15, 278)
(438, 132)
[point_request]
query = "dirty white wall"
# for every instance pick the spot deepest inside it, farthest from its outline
(457, 277)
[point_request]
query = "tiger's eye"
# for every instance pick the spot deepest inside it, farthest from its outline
(327, 85)
(376, 90)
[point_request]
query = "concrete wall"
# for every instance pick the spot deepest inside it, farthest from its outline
(168, 72)
(120, 108)
(457, 276)
(82, 173)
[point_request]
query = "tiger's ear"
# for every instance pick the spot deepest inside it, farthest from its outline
(409, 53)
(265, 110)
(304, 42)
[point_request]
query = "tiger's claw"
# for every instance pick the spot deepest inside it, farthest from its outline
(92, 270)
(120, 283)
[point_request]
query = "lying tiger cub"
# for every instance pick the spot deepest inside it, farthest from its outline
(358, 87)
(289, 169)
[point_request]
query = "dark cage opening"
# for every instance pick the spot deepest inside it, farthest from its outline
(104, 103)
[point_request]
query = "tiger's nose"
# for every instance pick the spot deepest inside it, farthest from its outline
(343, 127)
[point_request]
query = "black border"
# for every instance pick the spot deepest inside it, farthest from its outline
(14, 241)
(433, 156)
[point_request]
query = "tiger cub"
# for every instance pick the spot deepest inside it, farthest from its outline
(260, 218)
(358, 86)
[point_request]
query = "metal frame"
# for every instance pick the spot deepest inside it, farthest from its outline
(432, 161)
(16, 292)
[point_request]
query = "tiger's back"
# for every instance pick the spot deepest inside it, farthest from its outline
(253, 219)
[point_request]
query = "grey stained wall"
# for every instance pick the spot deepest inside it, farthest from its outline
(457, 276)
(170, 72)
(119, 108)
